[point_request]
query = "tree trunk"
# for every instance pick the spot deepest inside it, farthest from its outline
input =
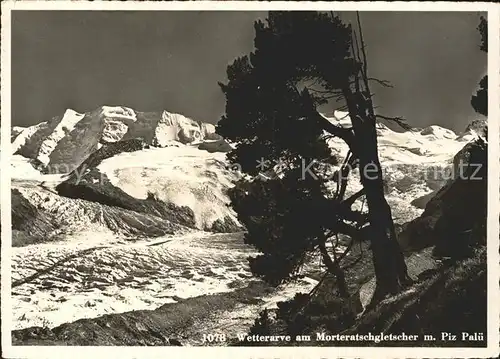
(389, 264)
(388, 260)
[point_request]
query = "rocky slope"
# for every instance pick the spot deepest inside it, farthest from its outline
(39, 216)
(457, 213)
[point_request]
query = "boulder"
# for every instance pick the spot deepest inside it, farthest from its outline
(454, 220)
(220, 145)
(225, 225)
(15, 131)
(422, 201)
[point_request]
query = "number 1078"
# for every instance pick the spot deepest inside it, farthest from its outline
(210, 338)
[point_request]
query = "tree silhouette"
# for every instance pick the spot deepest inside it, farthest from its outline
(479, 101)
(301, 61)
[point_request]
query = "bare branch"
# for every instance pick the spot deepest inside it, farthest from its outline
(363, 51)
(355, 216)
(384, 83)
(347, 229)
(355, 46)
(342, 108)
(316, 287)
(398, 120)
(334, 268)
(344, 171)
(326, 92)
(356, 54)
(349, 201)
(349, 246)
(336, 97)
(345, 134)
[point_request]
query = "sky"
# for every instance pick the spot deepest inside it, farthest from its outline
(151, 61)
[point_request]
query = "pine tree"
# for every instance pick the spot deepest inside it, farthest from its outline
(301, 61)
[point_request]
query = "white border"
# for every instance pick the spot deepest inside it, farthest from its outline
(9, 351)
(492, 253)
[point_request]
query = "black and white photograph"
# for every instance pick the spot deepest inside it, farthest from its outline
(259, 177)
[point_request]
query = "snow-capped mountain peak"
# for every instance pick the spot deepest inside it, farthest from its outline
(64, 142)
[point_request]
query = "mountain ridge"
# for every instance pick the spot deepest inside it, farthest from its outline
(64, 142)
